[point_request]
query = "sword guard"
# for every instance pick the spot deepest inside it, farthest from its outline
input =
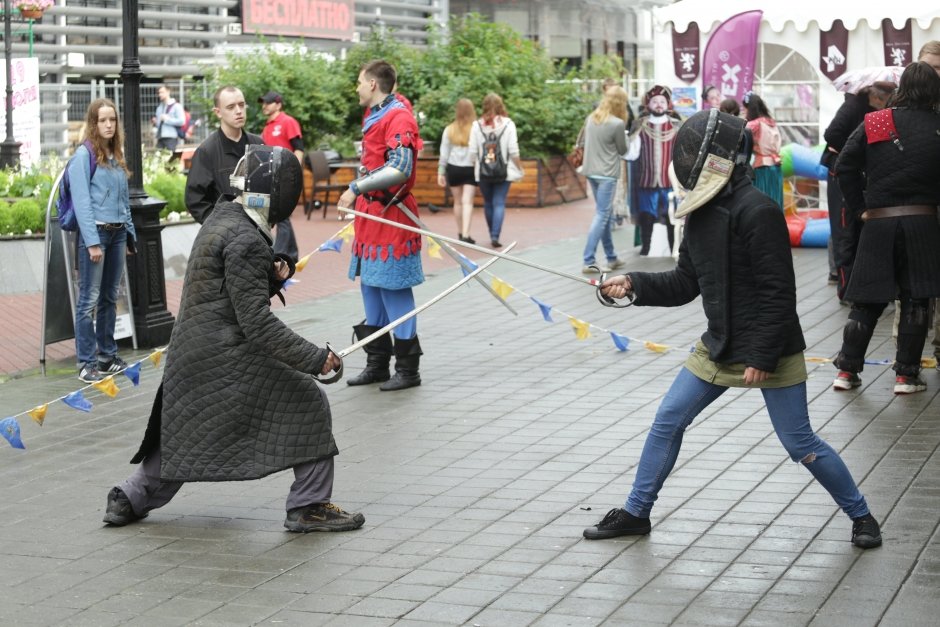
(605, 300)
(338, 374)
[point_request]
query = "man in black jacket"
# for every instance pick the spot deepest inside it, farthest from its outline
(736, 255)
(215, 159)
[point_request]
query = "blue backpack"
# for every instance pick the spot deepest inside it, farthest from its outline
(64, 206)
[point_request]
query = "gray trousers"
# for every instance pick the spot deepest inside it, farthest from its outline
(313, 483)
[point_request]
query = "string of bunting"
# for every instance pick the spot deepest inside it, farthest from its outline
(10, 426)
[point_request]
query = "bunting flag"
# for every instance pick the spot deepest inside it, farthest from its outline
(622, 342)
(544, 308)
(336, 245)
(288, 283)
(10, 429)
(434, 249)
(582, 329)
(928, 362)
(656, 348)
(818, 360)
(155, 357)
(77, 400)
(107, 386)
(300, 265)
(468, 266)
(502, 288)
(132, 372)
(347, 233)
(38, 413)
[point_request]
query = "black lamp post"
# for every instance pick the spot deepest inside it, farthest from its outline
(9, 148)
(152, 321)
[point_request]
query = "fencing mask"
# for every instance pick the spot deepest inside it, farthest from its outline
(704, 156)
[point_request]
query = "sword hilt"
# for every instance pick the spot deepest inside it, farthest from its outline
(338, 374)
(607, 301)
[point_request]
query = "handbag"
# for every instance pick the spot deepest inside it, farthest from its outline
(576, 156)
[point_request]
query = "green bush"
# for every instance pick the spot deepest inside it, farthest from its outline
(6, 218)
(27, 215)
(171, 187)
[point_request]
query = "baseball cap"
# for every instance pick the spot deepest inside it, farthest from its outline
(271, 96)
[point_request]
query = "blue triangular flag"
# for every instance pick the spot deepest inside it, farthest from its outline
(620, 341)
(132, 372)
(288, 283)
(878, 362)
(336, 245)
(77, 400)
(10, 429)
(467, 266)
(546, 309)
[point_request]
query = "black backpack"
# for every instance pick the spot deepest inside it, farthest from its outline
(492, 163)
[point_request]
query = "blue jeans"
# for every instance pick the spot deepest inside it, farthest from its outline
(789, 415)
(494, 205)
(97, 290)
(603, 191)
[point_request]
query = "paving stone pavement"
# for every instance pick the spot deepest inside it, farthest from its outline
(476, 486)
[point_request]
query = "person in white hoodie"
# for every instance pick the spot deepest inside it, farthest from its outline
(455, 167)
(495, 124)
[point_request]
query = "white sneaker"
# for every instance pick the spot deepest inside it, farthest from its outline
(908, 385)
(616, 263)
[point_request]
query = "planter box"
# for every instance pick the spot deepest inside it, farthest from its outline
(548, 181)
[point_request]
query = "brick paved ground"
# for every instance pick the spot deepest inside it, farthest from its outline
(476, 486)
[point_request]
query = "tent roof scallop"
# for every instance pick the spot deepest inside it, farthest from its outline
(801, 13)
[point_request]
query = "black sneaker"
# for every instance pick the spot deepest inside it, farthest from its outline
(89, 374)
(618, 522)
(115, 365)
(866, 534)
(495, 243)
(119, 511)
(833, 279)
(322, 517)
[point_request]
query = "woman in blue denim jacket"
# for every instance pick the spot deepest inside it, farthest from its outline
(106, 235)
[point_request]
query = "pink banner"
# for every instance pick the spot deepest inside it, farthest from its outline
(729, 56)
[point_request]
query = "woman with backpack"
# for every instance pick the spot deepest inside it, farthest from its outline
(768, 177)
(98, 186)
(495, 149)
(605, 142)
(455, 167)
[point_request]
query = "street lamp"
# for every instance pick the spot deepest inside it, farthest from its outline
(152, 321)
(9, 148)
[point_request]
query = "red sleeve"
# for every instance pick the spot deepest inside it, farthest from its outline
(402, 130)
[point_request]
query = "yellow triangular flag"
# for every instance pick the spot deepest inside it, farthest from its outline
(502, 288)
(300, 265)
(108, 386)
(38, 413)
(434, 249)
(347, 233)
(582, 329)
(818, 360)
(928, 362)
(656, 348)
(155, 357)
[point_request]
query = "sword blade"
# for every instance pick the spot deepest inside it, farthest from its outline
(486, 251)
(414, 312)
(461, 261)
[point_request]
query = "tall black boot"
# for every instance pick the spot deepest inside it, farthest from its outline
(856, 336)
(378, 356)
(407, 355)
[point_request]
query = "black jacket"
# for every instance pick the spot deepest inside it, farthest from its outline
(850, 114)
(213, 163)
(736, 254)
(879, 175)
(238, 397)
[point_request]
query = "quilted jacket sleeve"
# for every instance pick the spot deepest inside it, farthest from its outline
(248, 262)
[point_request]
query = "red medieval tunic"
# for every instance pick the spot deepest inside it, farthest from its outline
(382, 255)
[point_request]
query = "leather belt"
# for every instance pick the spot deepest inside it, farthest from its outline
(111, 226)
(899, 211)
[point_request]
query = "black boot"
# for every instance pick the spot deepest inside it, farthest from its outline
(407, 355)
(378, 356)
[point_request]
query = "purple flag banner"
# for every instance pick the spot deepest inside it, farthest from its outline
(833, 48)
(898, 47)
(685, 52)
(729, 55)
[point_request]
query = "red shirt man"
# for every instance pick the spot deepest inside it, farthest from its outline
(284, 131)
